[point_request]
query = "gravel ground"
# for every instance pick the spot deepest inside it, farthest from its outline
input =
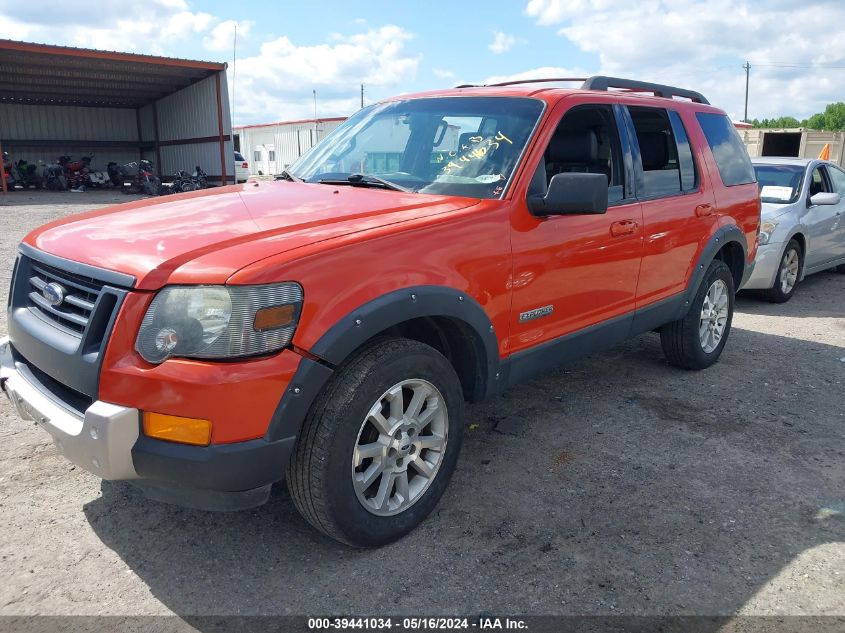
(618, 485)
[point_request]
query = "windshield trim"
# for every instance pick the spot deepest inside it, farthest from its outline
(528, 142)
(519, 160)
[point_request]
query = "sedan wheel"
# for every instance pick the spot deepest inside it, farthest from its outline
(789, 272)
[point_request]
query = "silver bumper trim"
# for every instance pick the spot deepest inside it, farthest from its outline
(101, 441)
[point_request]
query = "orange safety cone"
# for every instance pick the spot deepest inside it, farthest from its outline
(825, 153)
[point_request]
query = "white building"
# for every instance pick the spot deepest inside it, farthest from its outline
(269, 148)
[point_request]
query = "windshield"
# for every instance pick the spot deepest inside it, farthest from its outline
(779, 184)
(462, 146)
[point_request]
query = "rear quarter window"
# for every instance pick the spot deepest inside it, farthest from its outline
(727, 148)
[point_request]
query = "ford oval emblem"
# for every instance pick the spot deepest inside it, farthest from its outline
(54, 294)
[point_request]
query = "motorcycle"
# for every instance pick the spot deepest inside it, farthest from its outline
(10, 172)
(117, 174)
(76, 172)
(200, 178)
(181, 183)
(143, 181)
(54, 177)
(27, 175)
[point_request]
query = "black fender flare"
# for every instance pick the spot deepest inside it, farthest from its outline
(724, 235)
(366, 322)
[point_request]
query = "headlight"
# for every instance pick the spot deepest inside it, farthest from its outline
(219, 321)
(766, 229)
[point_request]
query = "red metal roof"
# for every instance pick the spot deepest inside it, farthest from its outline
(62, 75)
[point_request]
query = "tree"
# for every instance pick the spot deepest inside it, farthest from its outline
(780, 122)
(832, 119)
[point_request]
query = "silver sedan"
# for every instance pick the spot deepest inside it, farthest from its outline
(803, 223)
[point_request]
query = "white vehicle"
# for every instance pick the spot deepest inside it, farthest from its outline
(802, 225)
(241, 168)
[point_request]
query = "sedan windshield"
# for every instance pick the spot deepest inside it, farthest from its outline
(461, 146)
(779, 184)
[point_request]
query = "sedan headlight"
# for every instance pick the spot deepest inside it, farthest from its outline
(219, 322)
(766, 229)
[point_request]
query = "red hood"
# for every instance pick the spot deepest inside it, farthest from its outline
(150, 239)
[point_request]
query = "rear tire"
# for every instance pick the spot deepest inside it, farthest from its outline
(789, 272)
(391, 414)
(696, 341)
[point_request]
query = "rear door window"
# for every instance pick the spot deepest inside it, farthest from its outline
(727, 148)
(659, 153)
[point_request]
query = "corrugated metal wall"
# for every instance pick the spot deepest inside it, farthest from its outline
(43, 122)
(190, 113)
(57, 123)
(288, 141)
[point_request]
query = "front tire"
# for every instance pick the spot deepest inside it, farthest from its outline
(696, 341)
(379, 445)
(789, 272)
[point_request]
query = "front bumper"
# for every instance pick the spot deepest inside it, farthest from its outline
(766, 265)
(100, 440)
(105, 440)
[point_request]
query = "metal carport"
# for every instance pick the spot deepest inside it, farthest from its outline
(121, 107)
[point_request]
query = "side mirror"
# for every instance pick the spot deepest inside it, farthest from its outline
(825, 199)
(572, 194)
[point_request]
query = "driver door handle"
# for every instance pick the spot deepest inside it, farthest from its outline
(703, 210)
(623, 227)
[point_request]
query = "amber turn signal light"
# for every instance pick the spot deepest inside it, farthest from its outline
(173, 428)
(273, 318)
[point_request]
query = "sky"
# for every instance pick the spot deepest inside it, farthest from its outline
(285, 50)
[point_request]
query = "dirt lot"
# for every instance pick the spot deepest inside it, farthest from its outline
(616, 486)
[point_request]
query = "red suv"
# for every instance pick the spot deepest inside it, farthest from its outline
(328, 327)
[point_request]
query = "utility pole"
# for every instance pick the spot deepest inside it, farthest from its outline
(362, 95)
(747, 67)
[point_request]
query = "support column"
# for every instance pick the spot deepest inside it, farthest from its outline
(158, 147)
(223, 177)
(2, 171)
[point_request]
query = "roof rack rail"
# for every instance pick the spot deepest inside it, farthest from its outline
(600, 82)
(522, 81)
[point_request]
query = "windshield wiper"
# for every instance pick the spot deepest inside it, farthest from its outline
(365, 180)
(286, 175)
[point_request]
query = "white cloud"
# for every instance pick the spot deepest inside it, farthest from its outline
(280, 78)
(502, 42)
(135, 27)
(701, 45)
(443, 73)
(221, 37)
(544, 72)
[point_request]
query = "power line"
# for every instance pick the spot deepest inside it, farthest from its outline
(785, 65)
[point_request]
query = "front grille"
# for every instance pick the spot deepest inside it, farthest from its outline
(81, 294)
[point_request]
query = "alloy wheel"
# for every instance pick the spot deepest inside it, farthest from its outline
(714, 316)
(400, 447)
(789, 271)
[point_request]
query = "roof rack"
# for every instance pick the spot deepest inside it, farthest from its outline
(600, 82)
(522, 81)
